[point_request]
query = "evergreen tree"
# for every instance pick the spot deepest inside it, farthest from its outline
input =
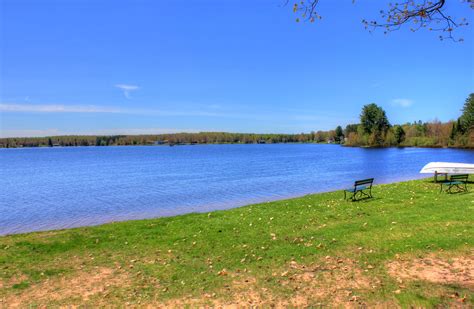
(339, 134)
(454, 131)
(351, 128)
(460, 127)
(399, 134)
(467, 117)
(375, 123)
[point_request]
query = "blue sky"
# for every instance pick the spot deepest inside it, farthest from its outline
(116, 67)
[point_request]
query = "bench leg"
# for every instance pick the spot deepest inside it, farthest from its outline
(361, 194)
(348, 197)
(354, 196)
(369, 195)
(450, 189)
(458, 188)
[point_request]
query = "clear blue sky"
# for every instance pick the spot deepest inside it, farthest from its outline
(106, 67)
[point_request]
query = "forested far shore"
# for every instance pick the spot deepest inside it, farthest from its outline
(373, 130)
(417, 134)
(164, 139)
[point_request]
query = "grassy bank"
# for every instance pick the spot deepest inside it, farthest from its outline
(410, 245)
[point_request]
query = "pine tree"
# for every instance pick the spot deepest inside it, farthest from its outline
(399, 134)
(467, 117)
(454, 131)
(339, 134)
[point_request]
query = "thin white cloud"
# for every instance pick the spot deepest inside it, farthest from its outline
(376, 84)
(28, 133)
(62, 108)
(402, 102)
(214, 106)
(55, 108)
(140, 131)
(307, 117)
(127, 89)
(112, 131)
(281, 116)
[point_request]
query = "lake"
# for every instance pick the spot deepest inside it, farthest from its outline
(54, 188)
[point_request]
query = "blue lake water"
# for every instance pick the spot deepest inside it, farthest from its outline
(52, 188)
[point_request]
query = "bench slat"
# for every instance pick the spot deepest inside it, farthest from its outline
(356, 188)
(462, 177)
(364, 182)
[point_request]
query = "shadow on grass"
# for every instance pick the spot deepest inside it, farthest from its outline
(444, 181)
(363, 199)
(457, 192)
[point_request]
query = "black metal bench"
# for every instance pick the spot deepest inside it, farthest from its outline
(363, 188)
(456, 181)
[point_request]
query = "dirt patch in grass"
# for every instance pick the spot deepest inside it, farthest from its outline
(330, 281)
(456, 270)
(81, 287)
(333, 281)
(13, 281)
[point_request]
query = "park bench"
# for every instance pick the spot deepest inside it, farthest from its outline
(362, 187)
(456, 181)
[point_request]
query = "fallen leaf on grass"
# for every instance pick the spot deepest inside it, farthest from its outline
(223, 272)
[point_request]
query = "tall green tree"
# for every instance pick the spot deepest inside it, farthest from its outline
(454, 131)
(374, 122)
(339, 134)
(351, 128)
(399, 134)
(373, 118)
(467, 117)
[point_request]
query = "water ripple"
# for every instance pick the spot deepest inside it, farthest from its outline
(51, 188)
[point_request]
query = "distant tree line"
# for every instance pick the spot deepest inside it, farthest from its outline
(375, 130)
(163, 139)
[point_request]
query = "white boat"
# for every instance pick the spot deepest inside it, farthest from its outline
(447, 168)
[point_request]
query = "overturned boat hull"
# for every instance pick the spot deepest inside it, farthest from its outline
(447, 168)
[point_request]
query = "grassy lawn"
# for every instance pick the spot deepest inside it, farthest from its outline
(409, 245)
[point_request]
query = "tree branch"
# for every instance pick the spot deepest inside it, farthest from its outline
(421, 13)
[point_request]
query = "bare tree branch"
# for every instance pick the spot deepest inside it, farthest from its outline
(418, 13)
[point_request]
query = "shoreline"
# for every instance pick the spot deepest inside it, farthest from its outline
(265, 201)
(216, 144)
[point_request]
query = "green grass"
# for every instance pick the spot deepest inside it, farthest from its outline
(181, 258)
